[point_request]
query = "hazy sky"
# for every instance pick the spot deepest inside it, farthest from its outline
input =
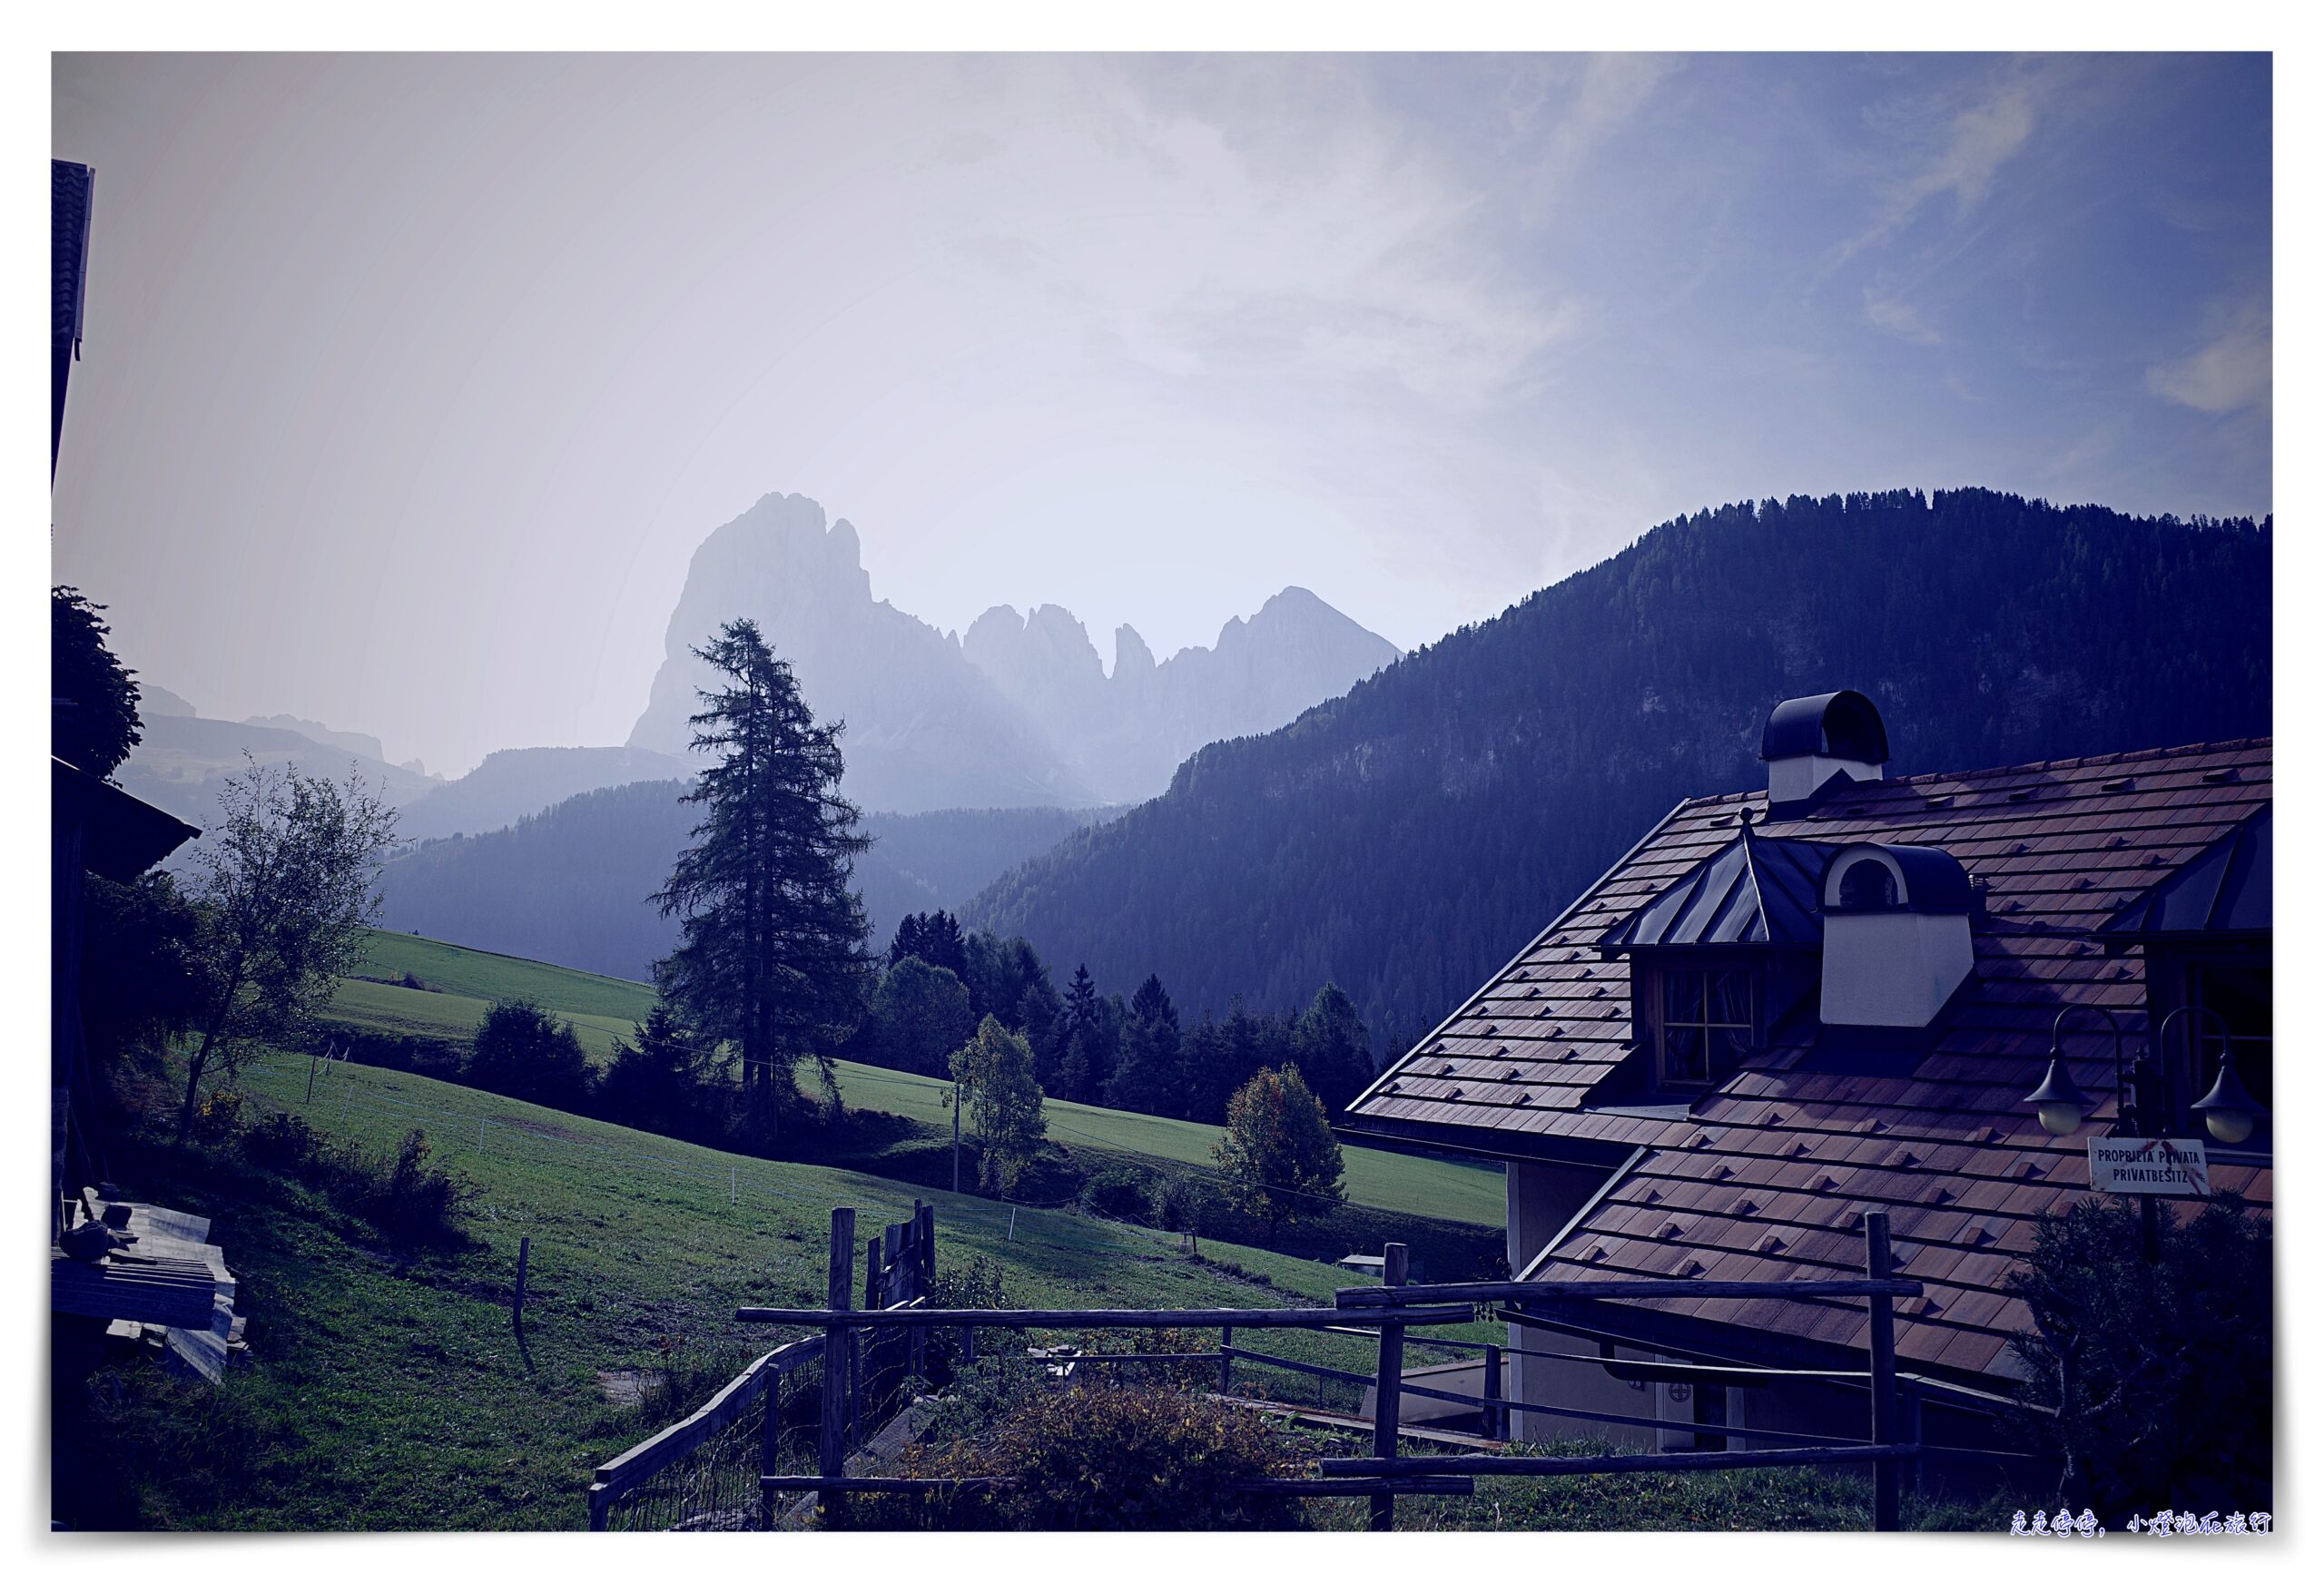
(410, 383)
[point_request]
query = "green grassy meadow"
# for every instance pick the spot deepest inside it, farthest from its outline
(389, 1391)
(461, 984)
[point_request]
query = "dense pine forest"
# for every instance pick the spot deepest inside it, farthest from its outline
(1405, 839)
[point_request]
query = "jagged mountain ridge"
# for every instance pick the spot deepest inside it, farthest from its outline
(1123, 733)
(1016, 712)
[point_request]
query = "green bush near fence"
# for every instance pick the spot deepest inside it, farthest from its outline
(1100, 1455)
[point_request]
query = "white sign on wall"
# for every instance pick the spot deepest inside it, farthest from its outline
(2173, 1168)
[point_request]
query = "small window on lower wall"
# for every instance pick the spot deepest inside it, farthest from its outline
(1708, 1019)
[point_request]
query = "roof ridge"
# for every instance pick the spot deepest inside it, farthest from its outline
(2127, 755)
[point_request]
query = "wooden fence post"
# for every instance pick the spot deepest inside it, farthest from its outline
(1387, 1391)
(831, 1436)
(1908, 1423)
(863, 1380)
(1878, 1267)
(1227, 1360)
(523, 1259)
(923, 1277)
(1494, 1415)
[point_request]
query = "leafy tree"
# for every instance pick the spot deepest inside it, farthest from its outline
(661, 1080)
(95, 722)
(142, 976)
(1331, 1048)
(283, 878)
(523, 1052)
(2153, 1384)
(771, 956)
(1279, 1155)
(1149, 1075)
(919, 1016)
(994, 1073)
(935, 938)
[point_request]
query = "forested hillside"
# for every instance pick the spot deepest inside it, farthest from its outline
(568, 885)
(1405, 839)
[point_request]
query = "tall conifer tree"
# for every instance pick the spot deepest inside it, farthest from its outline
(771, 957)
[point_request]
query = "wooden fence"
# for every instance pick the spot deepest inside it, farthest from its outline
(712, 1466)
(1387, 1312)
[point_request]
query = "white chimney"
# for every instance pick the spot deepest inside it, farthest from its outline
(1896, 935)
(1811, 742)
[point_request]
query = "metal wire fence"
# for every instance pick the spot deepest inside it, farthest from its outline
(713, 1485)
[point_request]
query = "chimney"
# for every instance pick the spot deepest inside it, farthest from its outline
(1811, 742)
(1897, 939)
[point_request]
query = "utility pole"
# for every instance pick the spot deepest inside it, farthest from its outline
(956, 1137)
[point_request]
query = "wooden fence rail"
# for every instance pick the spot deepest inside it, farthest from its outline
(889, 1330)
(841, 1318)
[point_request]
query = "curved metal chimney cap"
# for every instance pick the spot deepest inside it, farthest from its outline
(1832, 725)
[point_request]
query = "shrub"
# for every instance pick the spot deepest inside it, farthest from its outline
(219, 1117)
(429, 1057)
(523, 1052)
(1180, 1202)
(2152, 1384)
(1117, 1193)
(1103, 1456)
(974, 1282)
(405, 1198)
(413, 1201)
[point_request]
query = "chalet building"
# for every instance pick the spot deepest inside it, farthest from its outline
(1784, 1008)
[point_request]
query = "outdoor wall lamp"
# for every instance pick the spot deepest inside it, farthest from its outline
(2060, 1101)
(2229, 1111)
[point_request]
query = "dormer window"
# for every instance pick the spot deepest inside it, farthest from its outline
(1708, 1021)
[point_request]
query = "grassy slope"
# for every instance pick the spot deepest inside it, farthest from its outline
(462, 983)
(1443, 1188)
(390, 1394)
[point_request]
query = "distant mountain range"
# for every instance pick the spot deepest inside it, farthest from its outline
(184, 759)
(1405, 838)
(1018, 712)
(517, 781)
(568, 885)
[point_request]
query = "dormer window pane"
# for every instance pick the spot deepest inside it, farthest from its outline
(1686, 1057)
(1730, 999)
(1708, 1024)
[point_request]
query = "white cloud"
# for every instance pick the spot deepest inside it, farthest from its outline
(2232, 370)
(1899, 317)
(1957, 153)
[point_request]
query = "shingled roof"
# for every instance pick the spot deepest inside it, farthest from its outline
(1767, 1177)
